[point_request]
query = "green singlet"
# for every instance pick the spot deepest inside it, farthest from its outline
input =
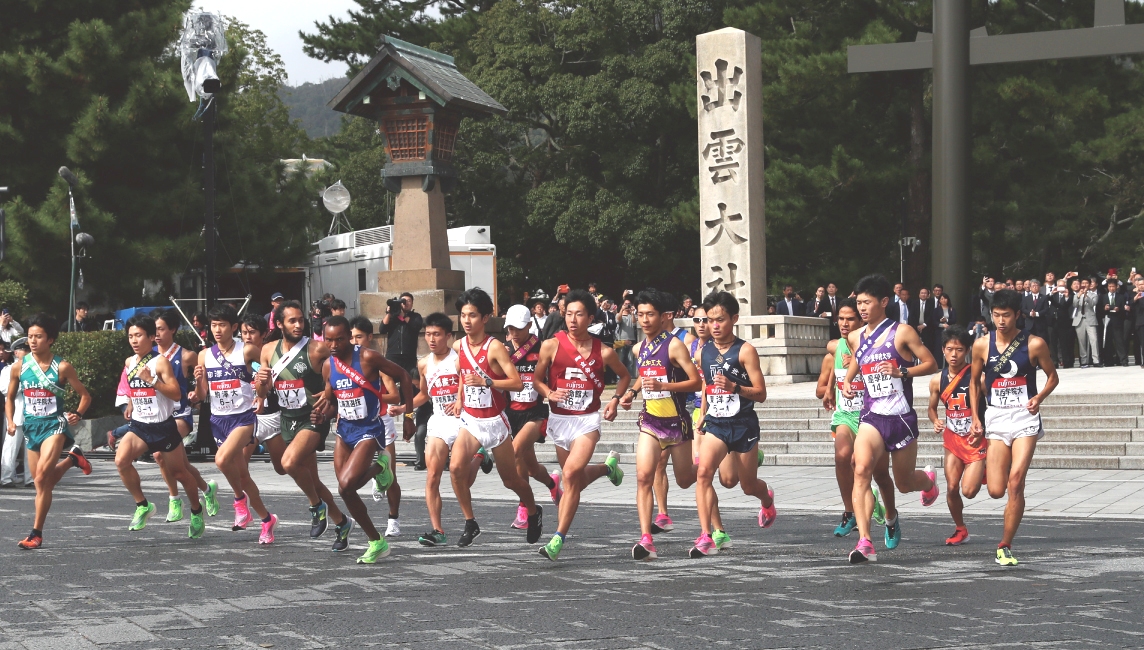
(43, 403)
(845, 411)
(296, 386)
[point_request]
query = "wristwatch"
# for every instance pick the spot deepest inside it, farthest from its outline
(905, 372)
(409, 416)
(737, 389)
(488, 382)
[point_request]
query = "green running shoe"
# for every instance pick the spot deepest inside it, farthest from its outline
(211, 498)
(142, 514)
(722, 539)
(175, 510)
(384, 478)
(761, 456)
(1005, 557)
(378, 548)
(432, 538)
(615, 474)
(197, 526)
(879, 509)
(551, 550)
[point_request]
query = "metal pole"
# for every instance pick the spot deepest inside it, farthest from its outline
(209, 189)
(952, 251)
(71, 239)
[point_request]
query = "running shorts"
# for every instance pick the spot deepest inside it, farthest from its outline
(37, 430)
(390, 430)
(490, 432)
(159, 436)
(186, 415)
(959, 446)
(897, 431)
(354, 433)
(269, 425)
(740, 434)
(565, 429)
(669, 431)
(292, 425)
(1007, 425)
(517, 419)
(443, 427)
(223, 425)
(848, 418)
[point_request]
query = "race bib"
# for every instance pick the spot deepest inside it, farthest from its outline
(443, 393)
(351, 403)
(39, 402)
(478, 397)
(1009, 392)
(579, 394)
(958, 422)
(291, 394)
(526, 395)
(224, 393)
(880, 384)
(721, 403)
(659, 373)
(143, 404)
(853, 404)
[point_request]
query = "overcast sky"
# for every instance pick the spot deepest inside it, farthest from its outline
(281, 21)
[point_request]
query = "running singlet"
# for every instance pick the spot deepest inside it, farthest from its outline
(295, 380)
(655, 363)
(722, 404)
(1010, 377)
(696, 399)
(526, 397)
(958, 416)
(228, 379)
(885, 394)
(147, 404)
(356, 404)
(174, 354)
(43, 394)
(442, 379)
(840, 367)
(577, 375)
(480, 401)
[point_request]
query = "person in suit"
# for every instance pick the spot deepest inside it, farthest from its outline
(1112, 307)
(1085, 323)
(1061, 323)
(789, 305)
(830, 309)
(983, 301)
(904, 311)
(1035, 308)
(1138, 310)
(944, 315)
(926, 327)
(818, 303)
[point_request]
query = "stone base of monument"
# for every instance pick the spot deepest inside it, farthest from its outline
(790, 347)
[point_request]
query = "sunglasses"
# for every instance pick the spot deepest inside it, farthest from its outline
(699, 320)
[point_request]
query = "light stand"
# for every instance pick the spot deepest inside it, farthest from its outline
(72, 181)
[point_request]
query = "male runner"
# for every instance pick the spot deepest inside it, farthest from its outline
(844, 425)
(267, 411)
(154, 392)
(885, 353)
(733, 383)
(667, 375)
(486, 371)
(570, 375)
(292, 368)
(352, 377)
(964, 453)
(39, 377)
(527, 413)
(1005, 371)
(224, 372)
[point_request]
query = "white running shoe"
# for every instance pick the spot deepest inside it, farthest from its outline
(393, 529)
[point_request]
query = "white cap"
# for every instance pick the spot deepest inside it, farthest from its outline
(518, 316)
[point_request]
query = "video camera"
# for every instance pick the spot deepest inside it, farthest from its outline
(393, 306)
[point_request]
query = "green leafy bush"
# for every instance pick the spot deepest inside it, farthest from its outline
(14, 296)
(98, 360)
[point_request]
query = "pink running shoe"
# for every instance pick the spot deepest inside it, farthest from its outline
(863, 552)
(930, 495)
(241, 514)
(704, 546)
(767, 515)
(521, 521)
(645, 549)
(557, 492)
(662, 524)
(267, 536)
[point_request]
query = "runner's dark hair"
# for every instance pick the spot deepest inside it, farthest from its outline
(362, 324)
(338, 321)
(583, 297)
(721, 299)
(45, 322)
(170, 318)
(875, 285)
(1007, 299)
(256, 322)
(662, 302)
(145, 323)
(283, 306)
(959, 334)
(849, 303)
(478, 298)
(437, 319)
(224, 313)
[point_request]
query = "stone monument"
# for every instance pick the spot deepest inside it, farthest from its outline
(418, 98)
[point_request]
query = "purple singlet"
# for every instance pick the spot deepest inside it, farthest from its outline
(888, 404)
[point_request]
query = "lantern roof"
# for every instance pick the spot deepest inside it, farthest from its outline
(432, 73)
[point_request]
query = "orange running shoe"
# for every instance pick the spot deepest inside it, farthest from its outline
(959, 537)
(80, 460)
(31, 542)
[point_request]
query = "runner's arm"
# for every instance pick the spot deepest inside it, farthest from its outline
(422, 396)
(825, 380)
(749, 359)
(324, 404)
(612, 360)
(200, 392)
(852, 371)
(68, 373)
(909, 338)
(190, 360)
(543, 363)
(1039, 350)
(165, 381)
(679, 355)
(498, 353)
(980, 352)
(262, 377)
(251, 353)
(10, 396)
(934, 397)
(396, 375)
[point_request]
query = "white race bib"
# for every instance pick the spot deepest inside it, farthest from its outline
(351, 403)
(658, 373)
(1009, 392)
(721, 403)
(880, 384)
(958, 422)
(478, 397)
(143, 404)
(224, 394)
(291, 394)
(579, 394)
(526, 395)
(39, 402)
(443, 392)
(853, 404)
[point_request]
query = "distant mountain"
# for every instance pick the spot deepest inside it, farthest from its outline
(308, 104)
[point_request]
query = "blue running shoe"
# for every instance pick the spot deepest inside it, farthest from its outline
(849, 523)
(893, 533)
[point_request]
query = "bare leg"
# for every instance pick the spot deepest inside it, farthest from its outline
(460, 468)
(906, 477)
(844, 465)
(886, 488)
(300, 461)
(436, 455)
(953, 473)
(526, 463)
(355, 467)
(648, 460)
(129, 448)
(231, 460)
(660, 485)
(47, 472)
(711, 455)
(164, 471)
(180, 470)
(869, 450)
(577, 476)
(393, 494)
(506, 467)
(1022, 456)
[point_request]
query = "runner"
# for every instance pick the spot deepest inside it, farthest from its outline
(844, 426)
(527, 413)
(225, 366)
(1012, 422)
(353, 382)
(733, 383)
(667, 374)
(662, 522)
(486, 371)
(292, 368)
(888, 355)
(439, 381)
(154, 392)
(39, 377)
(269, 425)
(570, 375)
(964, 453)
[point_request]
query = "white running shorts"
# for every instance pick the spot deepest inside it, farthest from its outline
(490, 432)
(565, 429)
(1007, 425)
(268, 426)
(443, 428)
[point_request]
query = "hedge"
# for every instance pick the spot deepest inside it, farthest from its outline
(14, 298)
(98, 360)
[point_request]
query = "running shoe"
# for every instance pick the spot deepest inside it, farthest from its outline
(662, 524)
(557, 492)
(384, 478)
(378, 548)
(879, 509)
(930, 496)
(722, 540)
(342, 535)
(432, 538)
(318, 522)
(486, 460)
(211, 505)
(472, 531)
(111, 440)
(848, 525)
(378, 495)
(960, 536)
(79, 459)
(175, 509)
(1005, 556)
(768, 514)
(863, 552)
(704, 546)
(615, 474)
(644, 549)
(242, 515)
(267, 536)
(551, 550)
(893, 533)
(34, 541)
(535, 524)
(197, 526)
(521, 521)
(142, 514)
(393, 528)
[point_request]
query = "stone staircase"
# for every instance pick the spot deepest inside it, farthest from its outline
(1101, 431)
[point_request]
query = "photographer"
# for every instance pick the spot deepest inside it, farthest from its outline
(402, 326)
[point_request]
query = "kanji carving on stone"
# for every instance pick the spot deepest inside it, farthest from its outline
(731, 284)
(722, 151)
(721, 88)
(723, 223)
